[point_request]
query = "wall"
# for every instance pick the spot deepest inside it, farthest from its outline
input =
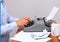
(39, 8)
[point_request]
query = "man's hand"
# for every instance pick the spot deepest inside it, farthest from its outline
(22, 22)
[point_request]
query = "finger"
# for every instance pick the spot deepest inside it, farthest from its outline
(27, 18)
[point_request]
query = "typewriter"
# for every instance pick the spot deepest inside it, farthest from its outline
(38, 25)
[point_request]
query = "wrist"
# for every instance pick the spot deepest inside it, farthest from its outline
(19, 24)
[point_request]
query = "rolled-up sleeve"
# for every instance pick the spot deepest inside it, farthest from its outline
(8, 22)
(8, 28)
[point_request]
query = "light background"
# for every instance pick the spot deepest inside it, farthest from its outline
(39, 8)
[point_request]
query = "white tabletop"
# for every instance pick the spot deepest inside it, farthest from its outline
(27, 36)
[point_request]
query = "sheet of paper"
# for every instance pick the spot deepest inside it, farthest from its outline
(24, 37)
(52, 13)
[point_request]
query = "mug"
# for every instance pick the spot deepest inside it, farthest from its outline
(55, 29)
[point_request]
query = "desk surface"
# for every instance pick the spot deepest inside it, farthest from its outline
(26, 36)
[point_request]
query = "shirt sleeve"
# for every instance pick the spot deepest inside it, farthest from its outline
(11, 24)
(8, 28)
(11, 19)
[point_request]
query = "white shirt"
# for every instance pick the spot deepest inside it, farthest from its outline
(8, 23)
